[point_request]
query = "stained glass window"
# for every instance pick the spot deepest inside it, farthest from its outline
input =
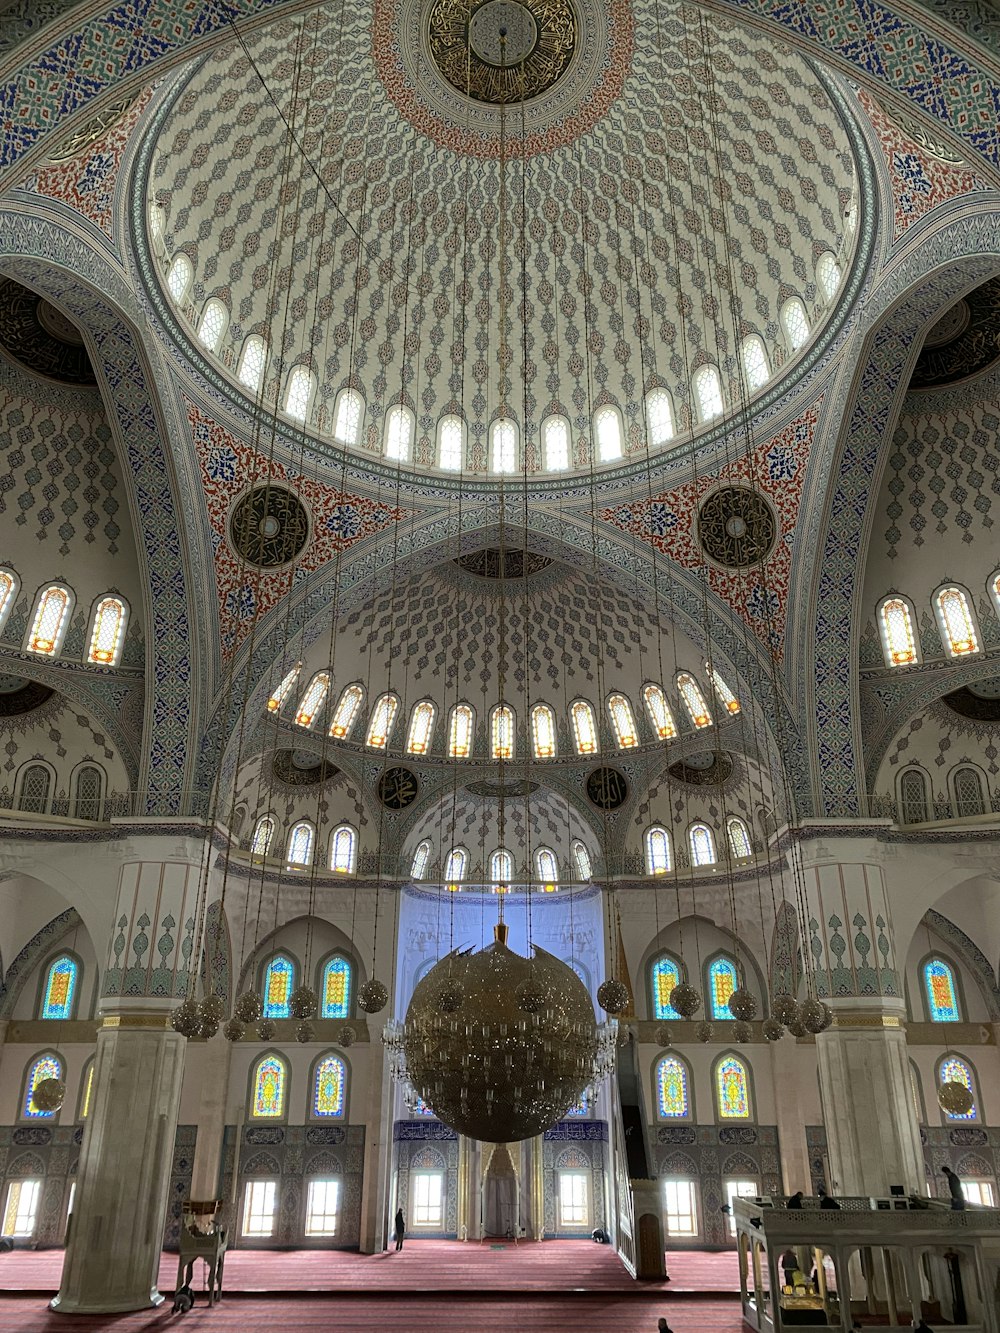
(957, 626)
(501, 866)
(342, 846)
(503, 446)
(623, 721)
(421, 727)
(739, 838)
(546, 866)
(694, 700)
(942, 997)
(708, 392)
(954, 1070)
(157, 221)
(336, 989)
(284, 689)
(269, 1079)
(214, 319)
(994, 586)
(659, 417)
(398, 434)
(300, 843)
(279, 982)
(543, 731)
(502, 732)
(108, 632)
(329, 1083)
(46, 1066)
(897, 632)
(421, 857)
(51, 617)
(659, 712)
(672, 1097)
(723, 693)
(666, 975)
(252, 361)
(657, 850)
(828, 275)
(795, 323)
(88, 1091)
(581, 859)
(451, 437)
(381, 722)
(731, 1089)
(8, 587)
(454, 868)
(60, 988)
(260, 843)
(347, 421)
(299, 393)
(702, 845)
(555, 440)
(755, 365)
(584, 727)
(461, 729)
(179, 277)
(608, 429)
(313, 699)
(348, 706)
(87, 794)
(722, 982)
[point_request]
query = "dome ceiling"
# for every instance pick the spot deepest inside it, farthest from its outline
(613, 276)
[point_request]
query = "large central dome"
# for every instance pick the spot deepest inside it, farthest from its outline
(335, 190)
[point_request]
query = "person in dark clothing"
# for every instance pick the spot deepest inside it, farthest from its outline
(400, 1231)
(827, 1201)
(661, 1326)
(789, 1262)
(922, 1328)
(795, 1201)
(955, 1187)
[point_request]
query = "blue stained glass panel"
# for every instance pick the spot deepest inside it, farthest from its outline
(721, 984)
(942, 1000)
(666, 975)
(60, 988)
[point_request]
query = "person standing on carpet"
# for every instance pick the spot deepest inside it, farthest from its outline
(400, 1231)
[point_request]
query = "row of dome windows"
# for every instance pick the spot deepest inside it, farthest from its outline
(35, 786)
(954, 614)
(399, 431)
(301, 843)
(968, 787)
(462, 717)
(50, 620)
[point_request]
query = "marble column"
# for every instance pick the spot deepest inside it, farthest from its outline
(119, 1211)
(212, 1073)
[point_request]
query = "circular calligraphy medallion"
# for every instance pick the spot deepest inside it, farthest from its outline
(269, 526)
(736, 527)
(502, 51)
(397, 788)
(607, 788)
(41, 337)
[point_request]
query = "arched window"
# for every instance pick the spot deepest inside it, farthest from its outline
(380, 724)
(399, 434)
(755, 366)
(343, 846)
(8, 591)
(501, 866)
(958, 629)
(608, 432)
(335, 988)
(941, 993)
(953, 1069)
(913, 796)
(179, 276)
(214, 322)
(51, 618)
(260, 843)
(994, 587)
(657, 850)
(581, 859)
(828, 275)
(694, 701)
(503, 446)
(707, 385)
(898, 640)
(88, 1090)
(451, 444)
(87, 788)
(45, 1066)
(253, 359)
(543, 731)
(739, 838)
(795, 323)
(702, 845)
(300, 843)
(279, 982)
(722, 981)
(659, 417)
(666, 976)
(732, 1089)
(421, 859)
(421, 727)
(157, 221)
(623, 721)
(455, 865)
(346, 712)
(502, 732)
(35, 783)
(313, 699)
(584, 727)
(969, 799)
(108, 631)
(348, 416)
(723, 693)
(284, 689)
(299, 392)
(673, 1099)
(269, 1088)
(555, 444)
(461, 729)
(546, 866)
(329, 1087)
(659, 712)
(59, 991)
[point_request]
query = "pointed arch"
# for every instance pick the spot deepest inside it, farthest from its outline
(956, 620)
(328, 1087)
(421, 859)
(608, 434)
(34, 788)
(348, 415)
(721, 979)
(451, 443)
(543, 731)
(556, 436)
(702, 845)
(253, 361)
(399, 430)
(299, 392)
(694, 700)
(269, 1088)
(659, 417)
(731, 1082)
(665, 973)
(336, 987)
(738, 836)
(60, 987)
(301, 837)
(108, 621)
(421, 732)
(279, 977)
(89, 781)
(50, 621)
(673, 1084)
(547, 867)
(659, 860)
(461, 731)
(502, 731)
(44, 1065)
(311, 703)
(584, 724)
(263, 836)
(346, 712)
(954, 1068)
(213, 324)
(501, 866)
(896, 625)
(939, 981)
(284, 689)
(659, 712)
(381, 721)
(914, 795)
(581, 860)
(343, 850)
(623, 721)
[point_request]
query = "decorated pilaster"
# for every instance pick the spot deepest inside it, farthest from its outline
(873, 1140)
(113, 1253)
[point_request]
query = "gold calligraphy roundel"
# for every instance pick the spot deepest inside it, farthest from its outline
(397, 788)
(502, 51)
